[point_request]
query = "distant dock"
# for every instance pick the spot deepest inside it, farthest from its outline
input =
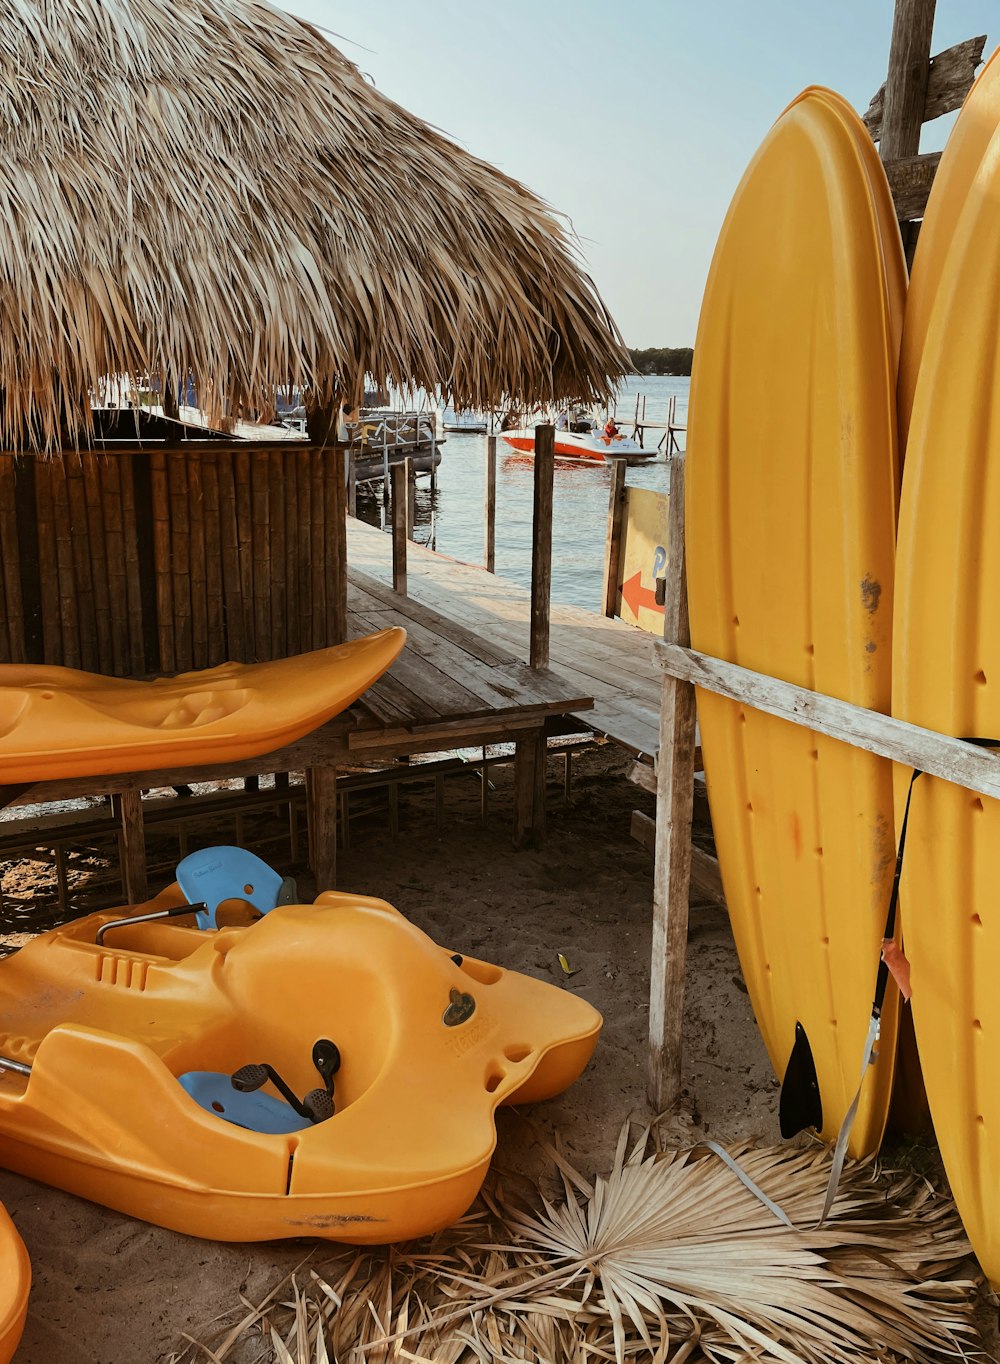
(671, 428)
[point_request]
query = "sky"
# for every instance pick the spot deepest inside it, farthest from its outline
(635, 119)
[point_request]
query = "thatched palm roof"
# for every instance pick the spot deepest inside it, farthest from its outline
(210, 186)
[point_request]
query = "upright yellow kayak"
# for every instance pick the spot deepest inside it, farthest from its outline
(947, 677)
(15, 1281)
(967, 145)
(791, 503)
(58, 722)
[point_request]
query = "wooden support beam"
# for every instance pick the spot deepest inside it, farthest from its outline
(352, 483)
(411, 497)
(336, 568)
(530, 753)
(126, 806)
(948, 82)
(672, 864)
(322, 419)
(614, 540)
(400, 476)
(908, 78)
(490, 529)
(321, 811)
(940, 755)
(910, 181)
(706, 880)
(541, 546)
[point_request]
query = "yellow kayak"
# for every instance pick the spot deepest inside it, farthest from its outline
(791, 498)
(946, 671)
(967, 145)
(15, 1281)
(327, 1071)
(58, 722)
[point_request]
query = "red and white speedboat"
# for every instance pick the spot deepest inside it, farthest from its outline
(592, 445)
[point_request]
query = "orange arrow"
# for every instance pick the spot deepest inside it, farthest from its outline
(634, 595)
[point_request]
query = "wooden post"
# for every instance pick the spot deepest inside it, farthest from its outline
(127, 809)
(352, 482)
(906, 89)
(491, 504)
(321, 426)
(411, 496)
(541, 546)
(321, 811)
(400, 480)
(169, 395)
(529, 789)
(906, 84)
(674, 798)
(614, 539)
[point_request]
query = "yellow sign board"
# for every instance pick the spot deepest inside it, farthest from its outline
(643, 557)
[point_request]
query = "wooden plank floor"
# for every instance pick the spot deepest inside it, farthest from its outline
(447, 673)
(591, 655)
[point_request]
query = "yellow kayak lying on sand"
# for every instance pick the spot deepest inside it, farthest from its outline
(15, 1281)
(58, 722)
(326, 1071)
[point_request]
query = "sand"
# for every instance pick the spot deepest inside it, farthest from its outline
(110, 1290)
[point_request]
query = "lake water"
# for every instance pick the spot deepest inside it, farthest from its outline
(451, 518)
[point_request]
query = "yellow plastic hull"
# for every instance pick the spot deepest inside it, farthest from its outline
(970, 138)
(947, 667)
(791, 498)
(15, 1282)
(58, 722)
(108, 1030)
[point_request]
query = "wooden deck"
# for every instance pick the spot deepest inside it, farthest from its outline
(451, 687)
(590, 655)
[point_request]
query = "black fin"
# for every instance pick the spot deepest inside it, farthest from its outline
(800, 1105)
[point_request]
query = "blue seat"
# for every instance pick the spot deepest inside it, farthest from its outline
(257, 1112)
(213, 875)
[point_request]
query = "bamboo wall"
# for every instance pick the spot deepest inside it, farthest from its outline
(150, 561)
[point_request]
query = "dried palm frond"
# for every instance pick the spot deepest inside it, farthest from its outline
(667, 1258)
(192, 186)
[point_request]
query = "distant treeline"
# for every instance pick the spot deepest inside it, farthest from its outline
(662, 360)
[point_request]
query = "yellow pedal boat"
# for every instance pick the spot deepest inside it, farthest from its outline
(58, 722)
(15, 1281)
(156, 1067)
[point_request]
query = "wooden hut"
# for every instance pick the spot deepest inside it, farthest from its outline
(211, 192)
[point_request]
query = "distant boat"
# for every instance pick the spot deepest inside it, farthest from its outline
(464, 420)
(592, 446)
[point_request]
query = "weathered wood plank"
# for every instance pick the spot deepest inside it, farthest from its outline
(954, 760)
(475, 645)
(706, 880)
(910, 181)
(198, 550)
(949, 81)
(321, 797)
(336, 552)
(611, 588)
(127, 809)
(10, 552)
(161, 549)
(529, 790)
(541, 547)
(490, 507)
(672, 860)
(136, 512)
(908, 78)
(400, 475)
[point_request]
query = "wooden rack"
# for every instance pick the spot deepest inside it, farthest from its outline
(940, 755)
